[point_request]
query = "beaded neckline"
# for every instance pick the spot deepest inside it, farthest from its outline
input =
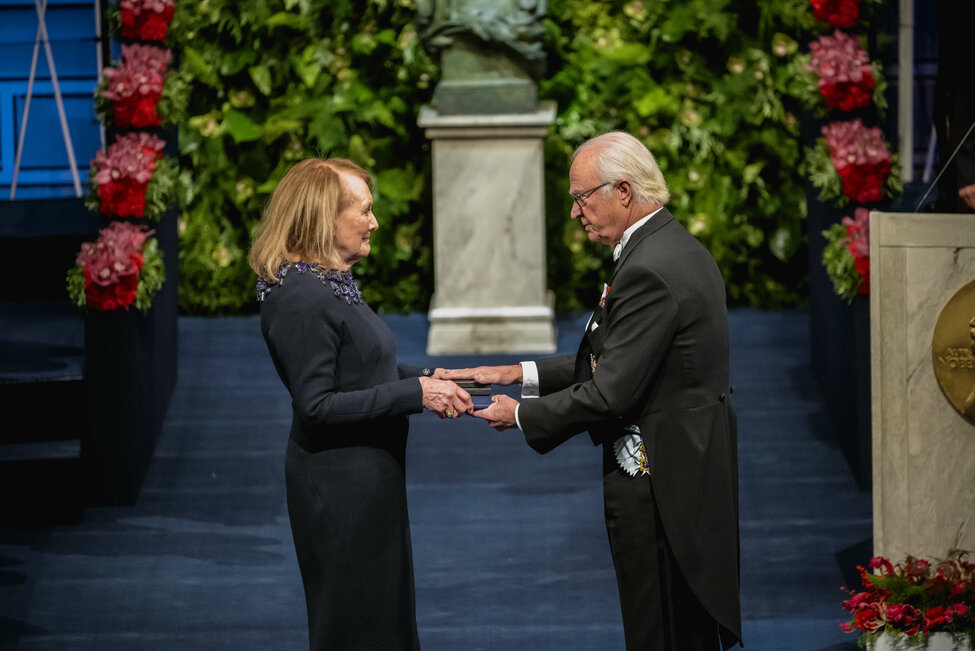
(341, 282)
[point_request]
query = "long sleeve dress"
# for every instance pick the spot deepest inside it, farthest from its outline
(345, 463)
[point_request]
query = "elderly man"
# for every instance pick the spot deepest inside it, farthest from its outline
(650, 383)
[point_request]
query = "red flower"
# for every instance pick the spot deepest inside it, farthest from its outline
(838, 13)
(137, 112)
(154, 26)
(903, 614)
(865, 183)
(868, 618)
(933, 617)
(127, 18)
(849, 96)
(146, 20)
(125, 198)
(120, 294)
(863, 268)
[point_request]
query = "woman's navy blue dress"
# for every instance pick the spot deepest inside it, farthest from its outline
(345, 461)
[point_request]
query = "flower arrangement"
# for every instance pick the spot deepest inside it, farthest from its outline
(845, 76)
(859, 164)
(141, 91)
(145, 20)
(847, 255)
(132, 179)
(121, 268)
(913, 599)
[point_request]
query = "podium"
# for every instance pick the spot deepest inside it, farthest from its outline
(923, 447)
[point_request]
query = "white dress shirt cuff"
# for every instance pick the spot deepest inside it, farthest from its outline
(529, 380)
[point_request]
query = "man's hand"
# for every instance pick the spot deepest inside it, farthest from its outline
(484, 374)
(967, 194)
(501, 414)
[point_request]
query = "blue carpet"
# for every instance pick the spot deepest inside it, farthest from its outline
(509, 546)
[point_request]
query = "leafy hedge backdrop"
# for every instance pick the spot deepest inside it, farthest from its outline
(709, 85)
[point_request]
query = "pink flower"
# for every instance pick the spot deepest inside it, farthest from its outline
(114, 256)
(904, 614)
(137, 7)
(132, 156)
(851, 143)
(838, 58)
(878, 562)
(917, 569)
(141, 71)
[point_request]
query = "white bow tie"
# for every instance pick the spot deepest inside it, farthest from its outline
(616, 251)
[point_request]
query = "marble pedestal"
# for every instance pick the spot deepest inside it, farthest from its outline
(923, 449)
(489, 225)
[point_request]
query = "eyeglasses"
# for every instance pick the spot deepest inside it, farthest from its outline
(580, 197)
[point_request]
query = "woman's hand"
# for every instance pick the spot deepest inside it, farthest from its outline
(445, 398)
(484, 374)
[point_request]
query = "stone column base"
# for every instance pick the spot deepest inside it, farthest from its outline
(465, 330)
(489, 233)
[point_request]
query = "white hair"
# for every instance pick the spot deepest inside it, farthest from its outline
(620, 155)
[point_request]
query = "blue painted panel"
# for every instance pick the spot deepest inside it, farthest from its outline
(44, 141)
(71, 31)
(44, 170)
(45, 159)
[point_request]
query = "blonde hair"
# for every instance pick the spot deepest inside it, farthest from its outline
(620, 155)
(299, 221)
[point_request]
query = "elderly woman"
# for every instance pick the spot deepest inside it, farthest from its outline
(345, 461)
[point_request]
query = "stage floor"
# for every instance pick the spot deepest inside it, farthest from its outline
(509, 546)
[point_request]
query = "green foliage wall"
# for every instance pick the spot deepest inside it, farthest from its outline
(276, 81)
(705, 83)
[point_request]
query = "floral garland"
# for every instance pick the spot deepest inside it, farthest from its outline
(845, 77)
(851, 163)
(132, 179)
(914, 599)
(123, 266)
(141, 91)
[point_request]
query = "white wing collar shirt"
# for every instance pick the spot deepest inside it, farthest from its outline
(629, 450)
